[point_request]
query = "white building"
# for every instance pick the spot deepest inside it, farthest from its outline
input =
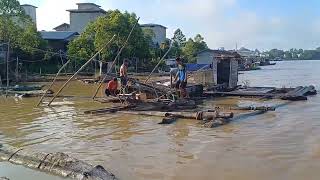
(81, 17)
(160, 32)
(31, 11)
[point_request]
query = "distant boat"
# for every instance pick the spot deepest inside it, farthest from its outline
(267, 63)
(252, 67)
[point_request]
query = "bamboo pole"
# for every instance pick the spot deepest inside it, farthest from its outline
(164, 56)
(54, 80)
(115, 59)
(82, 67)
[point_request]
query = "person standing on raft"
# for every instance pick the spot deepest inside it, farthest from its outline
(112, 88)
(181, 76)
(124, 74)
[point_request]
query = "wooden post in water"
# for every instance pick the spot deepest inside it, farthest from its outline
(115, 59)
(17, 70)
(54, 80)
(171, 79)
(82, 67)
(8, 58)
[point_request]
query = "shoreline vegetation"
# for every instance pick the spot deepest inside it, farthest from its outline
(293, 54)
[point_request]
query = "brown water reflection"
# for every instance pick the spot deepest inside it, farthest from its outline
(277, 145)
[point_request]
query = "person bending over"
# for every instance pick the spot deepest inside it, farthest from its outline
(112, 87)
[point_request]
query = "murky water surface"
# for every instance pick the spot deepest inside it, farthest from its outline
(278, 145)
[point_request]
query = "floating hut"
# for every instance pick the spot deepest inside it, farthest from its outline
(224, 66)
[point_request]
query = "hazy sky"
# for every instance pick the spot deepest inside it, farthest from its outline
(261, 24)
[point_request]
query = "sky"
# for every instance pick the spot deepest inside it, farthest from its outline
(261, 24)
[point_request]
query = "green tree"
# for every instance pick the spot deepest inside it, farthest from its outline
(276, 53)
(101, 31)
(179, 37)
(192, 47)
(18, 29)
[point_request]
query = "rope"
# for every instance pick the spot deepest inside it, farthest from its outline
(14, 154)
(199, 115)
(55, 163)
(44, 158)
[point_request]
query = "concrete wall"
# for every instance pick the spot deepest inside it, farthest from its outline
(233, 82)
(79, 21)
(159, 32)
(215, 71)
(31, 11)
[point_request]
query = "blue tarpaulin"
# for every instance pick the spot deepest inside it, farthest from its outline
(196, 67)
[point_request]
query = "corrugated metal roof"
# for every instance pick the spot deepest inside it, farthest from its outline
(57, 35)
(86, 10)
(152, 25)
(221, 53)
(93, 4)
(29, 5)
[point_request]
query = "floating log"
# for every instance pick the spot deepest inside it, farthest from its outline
(216, 123)
(109, 110)
(168, 120)
(56, 163)
(202, 115)
(249, 108)
(109, 100)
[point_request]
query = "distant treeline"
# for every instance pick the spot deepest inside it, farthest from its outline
(294, 54)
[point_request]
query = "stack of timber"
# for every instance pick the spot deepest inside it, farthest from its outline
(209, 118)
(22, 88)
(56, 163)
(299, 93)
(293, 94)
(25, 90)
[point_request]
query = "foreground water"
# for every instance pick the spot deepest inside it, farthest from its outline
(277, 145)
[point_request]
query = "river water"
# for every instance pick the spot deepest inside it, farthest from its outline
(276, 145)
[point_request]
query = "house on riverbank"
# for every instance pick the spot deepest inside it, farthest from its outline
(224, 66)
(58, 40)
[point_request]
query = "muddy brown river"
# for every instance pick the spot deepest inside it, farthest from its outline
(284, 144)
